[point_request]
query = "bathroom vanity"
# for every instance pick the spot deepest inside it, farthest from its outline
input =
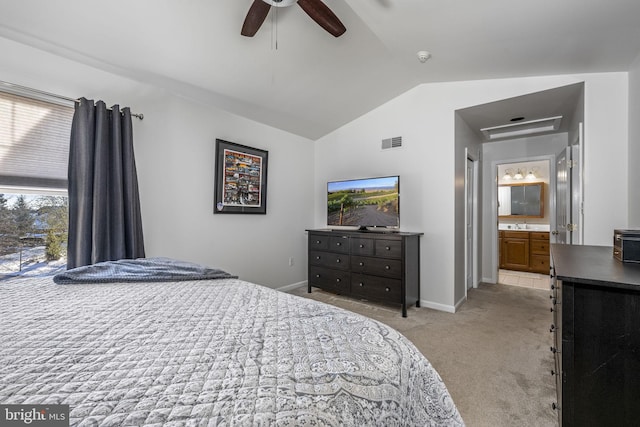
(524, 250)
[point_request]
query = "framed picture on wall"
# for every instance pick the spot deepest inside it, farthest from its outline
(240, 179)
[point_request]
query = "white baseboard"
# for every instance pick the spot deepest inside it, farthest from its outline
(489, 280)
(459, 303)
(292, 286)
(423, 303)
(437, 306)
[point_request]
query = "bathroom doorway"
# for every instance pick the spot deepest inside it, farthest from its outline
(526, 211)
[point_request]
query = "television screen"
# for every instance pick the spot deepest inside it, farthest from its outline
(370, 202)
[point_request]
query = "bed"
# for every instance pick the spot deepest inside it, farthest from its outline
(214, 352)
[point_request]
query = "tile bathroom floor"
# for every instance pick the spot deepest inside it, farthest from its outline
(523, 279)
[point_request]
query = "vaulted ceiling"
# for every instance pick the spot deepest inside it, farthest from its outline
(295, 76)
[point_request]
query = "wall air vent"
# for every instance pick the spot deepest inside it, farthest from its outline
(395, 142)
(520, 129)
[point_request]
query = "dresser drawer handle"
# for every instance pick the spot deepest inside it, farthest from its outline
(387, 289)
(317, 276)
(361, 284)
(361, 264)
(388, 248)
(318, 257)
(552, 328)
(338, 280)
(616, 252)
(338, 260)
(553, 350)
(338, 244)
(387, 267)
(361, 245)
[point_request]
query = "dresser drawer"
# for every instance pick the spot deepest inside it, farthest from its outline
(379, 288)
(329, 260)
(361, 246)
(327, 278)
(318, 242)
(389, 248)
(377, 266)
(339, 244)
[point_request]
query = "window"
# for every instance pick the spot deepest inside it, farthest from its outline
(34, 147)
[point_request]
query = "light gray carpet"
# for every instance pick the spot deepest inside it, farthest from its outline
(493, 354)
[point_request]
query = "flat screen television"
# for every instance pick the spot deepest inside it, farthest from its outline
(368, 202)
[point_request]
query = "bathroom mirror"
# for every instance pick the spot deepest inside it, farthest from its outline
(522, 200)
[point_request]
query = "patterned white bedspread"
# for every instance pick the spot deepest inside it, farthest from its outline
(215, 353)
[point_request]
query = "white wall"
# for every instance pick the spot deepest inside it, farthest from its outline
(424, 117)
(634, 144)
(174, 147)
(606, 143)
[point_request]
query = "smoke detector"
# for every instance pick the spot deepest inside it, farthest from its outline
(423, 56)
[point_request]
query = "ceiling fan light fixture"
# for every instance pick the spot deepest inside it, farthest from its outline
(316, 9)
(280, 3)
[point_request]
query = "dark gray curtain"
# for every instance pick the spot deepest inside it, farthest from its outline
(105, 222)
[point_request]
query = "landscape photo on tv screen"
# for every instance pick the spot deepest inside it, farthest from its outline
(364, 202)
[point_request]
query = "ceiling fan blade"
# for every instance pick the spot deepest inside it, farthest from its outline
(255, 17)
(320, 12)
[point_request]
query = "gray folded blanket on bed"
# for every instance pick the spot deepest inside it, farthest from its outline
(140, 270)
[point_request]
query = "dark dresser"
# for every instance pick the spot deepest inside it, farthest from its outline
(377, 266)
(596, 326)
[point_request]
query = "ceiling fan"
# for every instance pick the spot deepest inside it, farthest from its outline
(316, 9)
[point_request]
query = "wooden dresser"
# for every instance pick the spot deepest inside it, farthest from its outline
(377, 266)
(595, 301)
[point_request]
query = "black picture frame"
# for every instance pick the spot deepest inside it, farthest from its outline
(240, 179)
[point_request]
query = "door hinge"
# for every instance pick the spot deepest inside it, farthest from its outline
(571, 163)
(572, 227)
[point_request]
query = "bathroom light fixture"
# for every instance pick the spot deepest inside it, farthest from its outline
(531, 175)
(519, 129)
(507, 175)
(518, 175)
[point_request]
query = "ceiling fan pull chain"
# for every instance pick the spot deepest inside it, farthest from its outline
(274, 29)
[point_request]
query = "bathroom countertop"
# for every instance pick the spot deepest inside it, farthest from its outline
(524, 227)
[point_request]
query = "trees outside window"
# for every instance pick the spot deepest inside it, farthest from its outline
(33, 233)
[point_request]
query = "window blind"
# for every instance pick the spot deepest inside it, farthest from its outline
(34, 142)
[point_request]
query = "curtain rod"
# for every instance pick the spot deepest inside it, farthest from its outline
(53, 95)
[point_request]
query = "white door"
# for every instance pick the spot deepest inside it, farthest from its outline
(576, 191)
(469, 219)
(562, 232)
